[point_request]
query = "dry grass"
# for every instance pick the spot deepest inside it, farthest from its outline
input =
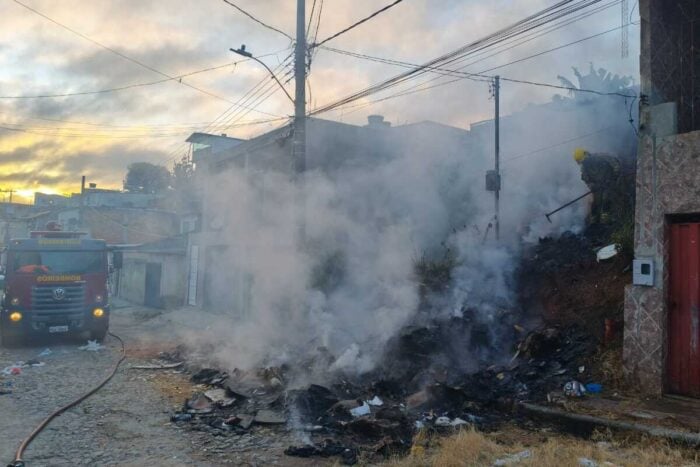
(471, 448)
(176, 387)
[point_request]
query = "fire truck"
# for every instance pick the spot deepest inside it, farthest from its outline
(55, 283)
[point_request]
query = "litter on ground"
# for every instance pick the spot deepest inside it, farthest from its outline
(361, 410)
(92, 346)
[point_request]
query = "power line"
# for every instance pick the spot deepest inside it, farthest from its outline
(539, 19)
(567, 88)
(318, 23)
(553, 49)
(129, 86)
(77, 133)
(463, 75)
(532, 37)
(356, 24)
(272, 28)
(232, 112)
(510, 46)
(122, 55)
(109, 125)
(311, 17)
(417, 88)
(119, 88)
(561, 143)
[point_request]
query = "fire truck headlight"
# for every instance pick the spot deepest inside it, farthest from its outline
(15, 316)
(98, 312)
(98, 298)
(14, 301)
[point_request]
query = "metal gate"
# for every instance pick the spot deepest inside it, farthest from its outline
(684, 300)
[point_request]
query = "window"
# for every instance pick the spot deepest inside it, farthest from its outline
(58, 262)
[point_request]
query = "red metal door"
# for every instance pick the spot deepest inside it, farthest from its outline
(684, 301)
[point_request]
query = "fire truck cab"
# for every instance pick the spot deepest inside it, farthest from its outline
(55, 283)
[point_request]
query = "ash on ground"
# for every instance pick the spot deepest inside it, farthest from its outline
(439, 376)
(375, 416)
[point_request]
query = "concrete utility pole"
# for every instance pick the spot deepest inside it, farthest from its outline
(497, 147)
(299, 142)
(493, 177)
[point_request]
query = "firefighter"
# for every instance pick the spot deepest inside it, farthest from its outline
(30, 262)
(602, 174)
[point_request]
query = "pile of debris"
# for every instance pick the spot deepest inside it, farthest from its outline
(562, 281)
(378, 414)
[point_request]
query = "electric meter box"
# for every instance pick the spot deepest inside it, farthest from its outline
(493, 181)
(643, 272)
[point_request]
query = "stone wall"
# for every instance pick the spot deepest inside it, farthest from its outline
(668, 183)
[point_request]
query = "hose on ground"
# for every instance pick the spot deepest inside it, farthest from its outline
(18, 462)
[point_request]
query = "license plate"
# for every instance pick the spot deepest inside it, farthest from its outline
(53, 329)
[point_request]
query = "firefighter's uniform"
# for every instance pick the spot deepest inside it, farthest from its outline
(603, 175)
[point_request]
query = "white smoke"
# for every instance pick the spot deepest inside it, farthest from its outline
(352, 287)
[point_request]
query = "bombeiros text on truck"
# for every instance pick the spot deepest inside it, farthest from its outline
(55, 282)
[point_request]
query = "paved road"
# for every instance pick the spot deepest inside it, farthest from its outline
(125, 423)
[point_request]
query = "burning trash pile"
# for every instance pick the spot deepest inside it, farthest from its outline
(422, 385)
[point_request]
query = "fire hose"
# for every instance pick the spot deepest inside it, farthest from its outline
(18, 462)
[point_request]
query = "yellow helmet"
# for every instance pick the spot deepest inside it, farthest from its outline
(580, 154)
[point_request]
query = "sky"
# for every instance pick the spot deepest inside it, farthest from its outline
(48, 143)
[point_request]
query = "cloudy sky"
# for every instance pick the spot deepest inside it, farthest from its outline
(47, 143)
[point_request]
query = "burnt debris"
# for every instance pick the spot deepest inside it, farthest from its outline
(379, 415)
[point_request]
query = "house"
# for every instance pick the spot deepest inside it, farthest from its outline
(662, 307)
(152, 273)
(17, 220)
(121, 225)
(333, 148)
(46, 200)
(93, 196)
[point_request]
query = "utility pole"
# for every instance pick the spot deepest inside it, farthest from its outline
(82, 203)
(299, 142)
(497, 146)
(8, 211)
(299, 100)
(10, 191)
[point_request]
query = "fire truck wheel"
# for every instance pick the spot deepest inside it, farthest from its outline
(98, 336)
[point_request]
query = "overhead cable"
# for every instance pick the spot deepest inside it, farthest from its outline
(272, 28)
(255, 96)
(129, 86)
(537, 20)
(356, 24)
(450, 72)
(124, 56)
(422, 86)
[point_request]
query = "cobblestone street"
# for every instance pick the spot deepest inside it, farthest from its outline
(125, 423)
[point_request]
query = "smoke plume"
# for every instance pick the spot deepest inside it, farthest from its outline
(333, 304)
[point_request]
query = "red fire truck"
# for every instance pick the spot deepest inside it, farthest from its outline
(55, 283)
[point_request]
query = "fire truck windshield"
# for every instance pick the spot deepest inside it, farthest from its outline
(57, 262)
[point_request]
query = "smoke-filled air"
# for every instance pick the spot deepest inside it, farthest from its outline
(376, 222)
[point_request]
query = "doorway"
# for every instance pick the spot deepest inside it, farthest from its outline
(683, 365)
(152, 293)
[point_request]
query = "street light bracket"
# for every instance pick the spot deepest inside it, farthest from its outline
(243, 52)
